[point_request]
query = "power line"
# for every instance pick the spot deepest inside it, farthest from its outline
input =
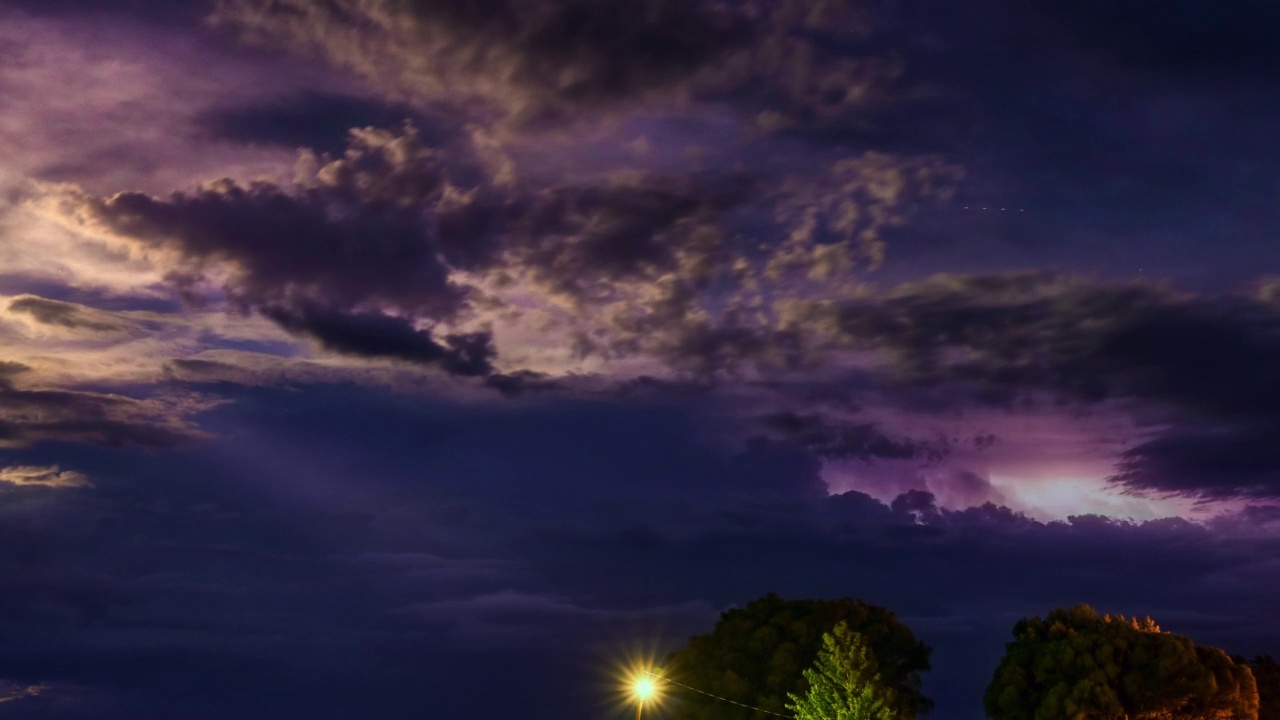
(717, 697)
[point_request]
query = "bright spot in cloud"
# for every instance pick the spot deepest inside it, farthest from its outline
(1057, 497)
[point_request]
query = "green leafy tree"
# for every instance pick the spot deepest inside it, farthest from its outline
(757, 655)
(844, 683)
(1076, 664)
(1266, 672)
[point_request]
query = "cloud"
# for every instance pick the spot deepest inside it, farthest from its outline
(432, 252)
(1206, 461)
(699, 292)
(379, 335)
(122, 345)
(837, 219)
(1080, 339)
(354, 237)
(31, 415)
(557, 59)
(257, 369)
(581, 242)
(10, 369)
(518, 383)
(382, 253)
(846, 440)
(364, 248)
(961, 489)
(11, 691)
(67, 316)
(325, 258)
(1197, 362)
(309, 119)
(570, 52)
(42, 476)
(130, 106)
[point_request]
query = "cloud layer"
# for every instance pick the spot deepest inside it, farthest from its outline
(782, 63)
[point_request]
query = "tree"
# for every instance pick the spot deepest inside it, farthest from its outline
(1228, 691)
(1266, 673)
(757, 655)
(844, 683)
(1075, 664)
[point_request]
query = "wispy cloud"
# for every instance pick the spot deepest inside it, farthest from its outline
(48, 476)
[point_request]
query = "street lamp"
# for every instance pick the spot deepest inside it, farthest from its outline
(644, 689)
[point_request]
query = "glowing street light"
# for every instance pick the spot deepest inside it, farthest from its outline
(643, 689)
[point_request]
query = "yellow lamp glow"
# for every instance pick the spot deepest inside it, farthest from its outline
(643, 688)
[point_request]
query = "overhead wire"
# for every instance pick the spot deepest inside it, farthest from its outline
(717, 697)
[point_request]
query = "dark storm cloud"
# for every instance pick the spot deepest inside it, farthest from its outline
(354, 235)
(579, 241)
(1082, 339)
(383, 226)
(708, 349)
(783, 62)
(585, 51)
(385, 230)
(1010, 338)
(324, 257)
(1212, 462)
(847, 440)
(520, 382)
(702, 279)
(361, 254)
(379, 335)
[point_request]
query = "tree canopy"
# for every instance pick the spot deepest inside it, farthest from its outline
(1075, 664)
(757, 655)
(844, 682)
(1266, 672)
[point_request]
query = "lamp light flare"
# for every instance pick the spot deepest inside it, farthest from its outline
(643, 688)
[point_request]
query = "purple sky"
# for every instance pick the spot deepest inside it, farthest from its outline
(404, 358)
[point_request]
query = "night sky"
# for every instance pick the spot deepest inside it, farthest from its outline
(427, 358)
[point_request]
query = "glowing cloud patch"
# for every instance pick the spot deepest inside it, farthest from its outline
(51, 476)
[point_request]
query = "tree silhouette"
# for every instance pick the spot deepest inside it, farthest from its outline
(757, 655)
(844, 683)
(1076, 664)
